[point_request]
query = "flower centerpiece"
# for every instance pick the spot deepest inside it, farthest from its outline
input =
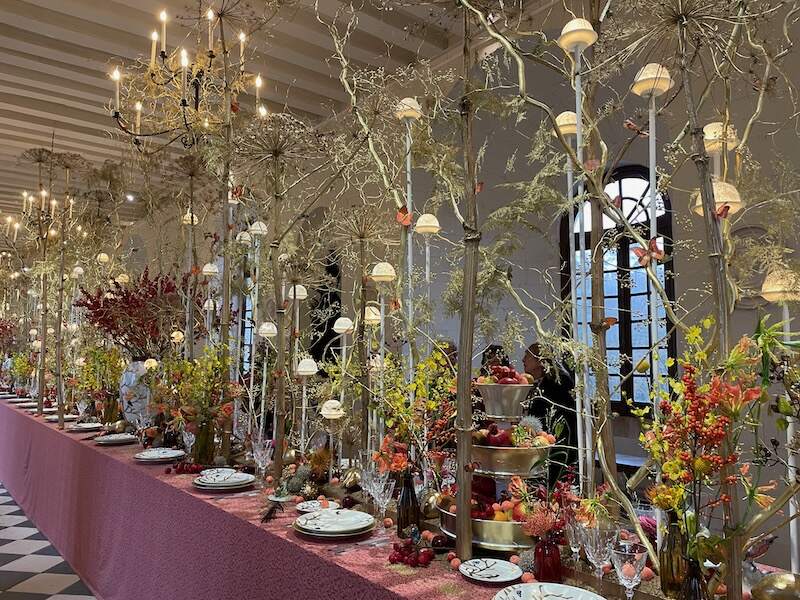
(98, 374)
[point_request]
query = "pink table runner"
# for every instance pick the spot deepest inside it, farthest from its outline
(133, 532)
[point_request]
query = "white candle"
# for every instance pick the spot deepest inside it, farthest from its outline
(16, 231)
(210, 17)
(163, 17)
(24, 201)
(242, 38)
(53, 205)
(116, 76)
(154, 38)
(258, 88)
(71, 204)
(138, 118)
(44, 198)
(184, 68)
(8, 225)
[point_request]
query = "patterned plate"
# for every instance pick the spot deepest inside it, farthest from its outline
(28, 403)
(15, 400)
(224, 480)
(84, 427)
(216, 471)
(54, 418)
(45, 411)
(545, 591)
(490, 570)
(339, 521)
(310, 506)
(158, 455)
(116, 439)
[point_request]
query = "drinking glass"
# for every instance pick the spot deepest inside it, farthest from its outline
(262, 452)
(188, 440)
(576, 534)
(382, 493)
(629, 561)
(598, 543)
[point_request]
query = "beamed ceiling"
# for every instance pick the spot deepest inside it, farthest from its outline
(57, 54)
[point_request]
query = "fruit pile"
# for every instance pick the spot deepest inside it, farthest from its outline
(406, 553)
(527, 434)
(185, 468)
(505, 376)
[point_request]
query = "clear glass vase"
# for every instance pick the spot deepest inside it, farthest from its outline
(671, 556)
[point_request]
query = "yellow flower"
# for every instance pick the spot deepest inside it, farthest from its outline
(694, 335)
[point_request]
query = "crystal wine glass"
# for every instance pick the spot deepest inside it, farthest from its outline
(382, 495)
(188, 440)
(598, 543)
(576, 534)
(262, 452)
(629, 561)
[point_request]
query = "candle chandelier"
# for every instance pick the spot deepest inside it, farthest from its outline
(186, 93)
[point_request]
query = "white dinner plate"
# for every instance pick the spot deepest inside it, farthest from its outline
(545, 591)
(281, 499)
(27, 404)
(54, 418)
(45, 411)
(490, 570)
(225, 479)
(84, 427)
(330, 521)
(310, 506)
(216, 471)
(116, 439)
(15, 400)
(159, 455)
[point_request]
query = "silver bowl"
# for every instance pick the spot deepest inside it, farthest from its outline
(503, 536)
(504, 401)
(506, 462)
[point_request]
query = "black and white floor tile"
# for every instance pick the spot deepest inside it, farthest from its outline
(30, 568)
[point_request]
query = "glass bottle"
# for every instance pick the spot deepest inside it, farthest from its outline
(407, 505)
(547, 561)
(694, 584)
(671, 558)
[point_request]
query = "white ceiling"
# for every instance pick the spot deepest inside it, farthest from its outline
(56, 56)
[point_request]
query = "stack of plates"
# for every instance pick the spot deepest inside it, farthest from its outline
(223, 480)
(332, 523)
(54, 418)
(84, 427)
(159, 455)
(310, 506)
(45, 411)
(116, 439)
(28, 403)
(15, 400)
(539, 591)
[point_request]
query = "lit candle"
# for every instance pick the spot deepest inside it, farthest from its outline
(258, 88)
(138, 118)
(16, 231)
(242, 38)
(262, 111)
(210, 17)
(71, 204)
(116, 76)
(53, 205)
(184, 68)
(24, 201)
(163, 17)
(8, 224)
(154, 38)
(44, 200)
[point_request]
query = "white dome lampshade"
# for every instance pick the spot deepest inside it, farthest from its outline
(578, 34)
(190, 218)
(258, 228)
(714, 137)
(33, 332)
(210, 269)
(427, 224)
(209, 305)
(268, 330)
(77, 272)
(724, 193)
(567, 123)
(781, 285)
(298, 292)
(244, 237)
(332, 409)
(307, 367)
(408, 108)
(372, 315)
(652, 80)
(383, 272)
(343, 325)
(36, 344)
(123, 278)
(102, 258)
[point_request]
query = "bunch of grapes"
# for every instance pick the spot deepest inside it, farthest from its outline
(405, 553)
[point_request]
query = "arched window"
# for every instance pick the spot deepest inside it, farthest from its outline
(625, 283)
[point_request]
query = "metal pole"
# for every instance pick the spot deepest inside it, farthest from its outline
(264, 368)
(303, 419)
(794, 527)
(382, 352)
(585, 334)
(428, 289)
(573, 293)
(253, 331)
(409, 265)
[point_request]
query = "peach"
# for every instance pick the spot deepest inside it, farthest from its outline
(514, 559)
(387, 522)
(528, 578)
(648, 574)
(455, 563)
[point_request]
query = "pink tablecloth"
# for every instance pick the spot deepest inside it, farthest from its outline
(133, 532)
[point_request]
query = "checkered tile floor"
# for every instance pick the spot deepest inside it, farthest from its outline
(30, 568)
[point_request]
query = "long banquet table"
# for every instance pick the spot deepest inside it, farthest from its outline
(132, 532)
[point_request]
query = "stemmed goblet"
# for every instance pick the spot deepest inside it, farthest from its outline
(576, 535)
(188, 440)
(629, 561)
(382, 494)
(262, 453)
(598, 543)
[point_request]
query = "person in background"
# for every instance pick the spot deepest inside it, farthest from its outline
(555, 403)
(494, 355)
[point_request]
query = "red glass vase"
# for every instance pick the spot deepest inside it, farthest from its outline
(547, 561)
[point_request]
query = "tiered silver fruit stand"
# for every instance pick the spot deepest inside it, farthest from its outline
(503, 404)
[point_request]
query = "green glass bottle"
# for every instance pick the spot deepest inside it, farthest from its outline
(407, 506)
